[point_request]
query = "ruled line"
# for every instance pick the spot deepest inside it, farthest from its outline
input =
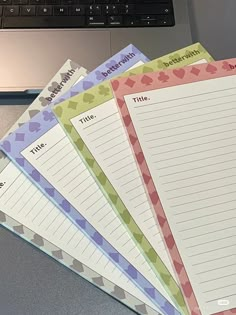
(183, 97)
(190, 103)
(39, 156)
(101, 120)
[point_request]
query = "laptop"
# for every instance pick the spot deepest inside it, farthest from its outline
(38, 36)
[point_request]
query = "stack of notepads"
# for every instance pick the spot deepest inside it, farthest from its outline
(127, 175)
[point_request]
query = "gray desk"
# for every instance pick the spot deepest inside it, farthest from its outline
(32, 283)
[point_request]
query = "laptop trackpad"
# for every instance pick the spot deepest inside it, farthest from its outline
(29, 59)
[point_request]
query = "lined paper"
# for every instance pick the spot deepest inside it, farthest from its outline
(63, 168)
(187, 134)
(106, 139)
(23, 201)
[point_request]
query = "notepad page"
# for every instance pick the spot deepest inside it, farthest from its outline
(61, 166)
(187, 134)
(107, 140)
(23, 201)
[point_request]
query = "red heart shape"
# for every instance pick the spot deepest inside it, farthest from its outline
(120, 102)
(115, 85)
(179, 73)
(178, 267)
(132, 139)
(146, 178)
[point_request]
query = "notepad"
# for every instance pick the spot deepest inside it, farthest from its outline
(44, 133)
(43, 225)
(183, 133)
(96, 129)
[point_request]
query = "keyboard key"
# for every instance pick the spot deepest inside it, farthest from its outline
(131, 21)
(11, 10)
(44, 10)
(52, 2)
(43, 22)
(112, 9)
(118, 1)
(85, 1)
(5, 2)
(77, 10)
(115, 20)
(60, 10)
(102, 1)
(96, 20)
(36, 2)
(152, 9)
(28, 10)
(148, 22)
(94, 9)
(128, 9)
(20, 2)
(68, 2)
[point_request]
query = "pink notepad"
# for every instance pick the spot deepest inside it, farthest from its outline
(182, 128)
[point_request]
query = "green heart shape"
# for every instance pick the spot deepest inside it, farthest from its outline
(166, 278)
(138, 237)
(79, 144)
(113, 198)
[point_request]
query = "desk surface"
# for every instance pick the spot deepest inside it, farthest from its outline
(31, 283)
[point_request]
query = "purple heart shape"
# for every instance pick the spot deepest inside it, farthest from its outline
(6, 146)
(87, 85)
(132, 272)
(34, 126)
(35, 175)
(20, 161)
(98, 238)
(65, 206)
(81, 223)
(115, 256)
(150, 292)
(50, 191)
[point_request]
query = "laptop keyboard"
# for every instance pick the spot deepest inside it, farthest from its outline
(85, 13)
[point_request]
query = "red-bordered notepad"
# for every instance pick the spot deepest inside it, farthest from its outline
(182, 128)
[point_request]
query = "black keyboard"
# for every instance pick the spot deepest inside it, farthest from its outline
(85, 13)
